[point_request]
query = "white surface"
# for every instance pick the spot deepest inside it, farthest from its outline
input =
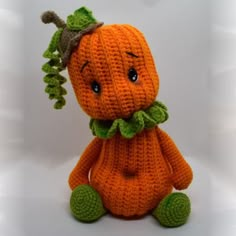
(40, 205)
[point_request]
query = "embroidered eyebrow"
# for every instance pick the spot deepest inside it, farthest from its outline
(83, 66)
(131, 54)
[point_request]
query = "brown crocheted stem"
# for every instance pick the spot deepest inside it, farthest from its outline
(70, 40)
(51, 17)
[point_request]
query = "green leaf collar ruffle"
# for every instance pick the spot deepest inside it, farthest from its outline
(128, 128)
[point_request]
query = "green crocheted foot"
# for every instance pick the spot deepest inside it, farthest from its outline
(173, 210)
(86, 204)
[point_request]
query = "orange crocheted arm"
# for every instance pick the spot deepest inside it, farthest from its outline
(181, 171)
(79, 174)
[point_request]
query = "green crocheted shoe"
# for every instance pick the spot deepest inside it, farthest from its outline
(86, 204)
(173, 210)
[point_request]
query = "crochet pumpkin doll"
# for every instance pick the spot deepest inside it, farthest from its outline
(131, 166)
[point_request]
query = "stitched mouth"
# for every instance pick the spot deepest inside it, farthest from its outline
(129, 174)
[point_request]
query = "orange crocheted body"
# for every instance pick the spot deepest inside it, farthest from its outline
(131, 175)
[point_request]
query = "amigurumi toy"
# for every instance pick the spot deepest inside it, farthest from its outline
(131, 166)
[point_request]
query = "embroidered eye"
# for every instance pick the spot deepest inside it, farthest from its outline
(132, 74)
(95, 87)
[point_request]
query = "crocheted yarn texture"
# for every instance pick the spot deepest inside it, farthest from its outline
(131, 166)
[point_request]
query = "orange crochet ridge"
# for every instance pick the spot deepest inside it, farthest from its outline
(131, 175)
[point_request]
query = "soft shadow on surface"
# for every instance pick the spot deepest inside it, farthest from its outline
(41, 201)
(150, 3)
(48, 196)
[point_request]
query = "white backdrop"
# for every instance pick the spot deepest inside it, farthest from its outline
(194, 46)
(222, 88)
(11, 78)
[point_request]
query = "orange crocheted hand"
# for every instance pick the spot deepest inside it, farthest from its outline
(181, 171)
(80, 173)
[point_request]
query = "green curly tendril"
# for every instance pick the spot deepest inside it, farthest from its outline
(61, 47)
(52, 68)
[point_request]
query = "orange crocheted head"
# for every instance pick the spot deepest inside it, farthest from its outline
(112, 72)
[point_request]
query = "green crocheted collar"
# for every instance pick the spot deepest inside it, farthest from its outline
(128, 128)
